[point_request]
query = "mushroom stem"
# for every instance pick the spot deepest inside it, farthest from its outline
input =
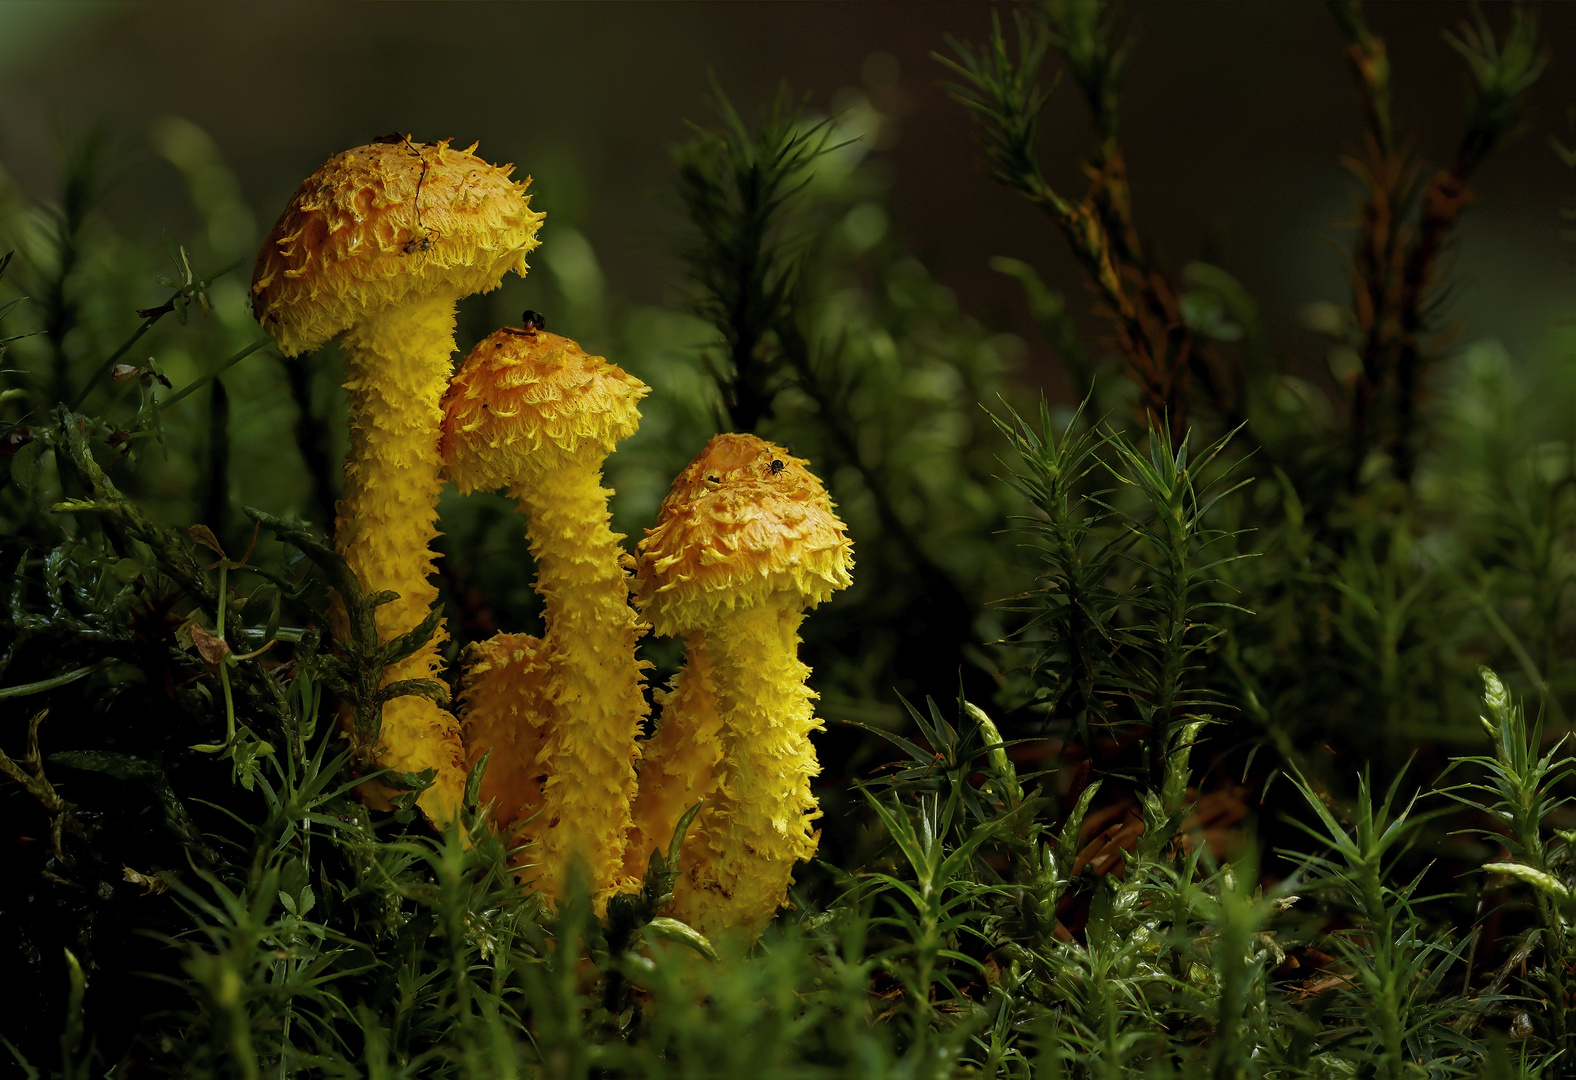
(502, 711)
(593, 678)
(397, 364)
(680, 765)
(735, 874)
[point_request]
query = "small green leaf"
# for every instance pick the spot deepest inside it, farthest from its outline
(1542, 881)
(25, 465)
(672, 930)
(410, 781)
(473, 779)
(120, 766)
(204, 536)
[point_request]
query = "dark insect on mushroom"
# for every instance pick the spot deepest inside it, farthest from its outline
(776, 466)
(534, 322)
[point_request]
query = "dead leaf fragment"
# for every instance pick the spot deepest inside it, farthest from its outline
(210, 646)
(204, 536)
(151, 883)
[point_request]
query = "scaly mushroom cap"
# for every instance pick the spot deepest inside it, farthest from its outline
(384, 224)
(523, 401)
(745, 523)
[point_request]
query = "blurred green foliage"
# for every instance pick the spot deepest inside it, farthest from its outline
(1209, 793)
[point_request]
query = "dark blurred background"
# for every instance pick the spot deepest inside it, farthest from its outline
(1234, 119)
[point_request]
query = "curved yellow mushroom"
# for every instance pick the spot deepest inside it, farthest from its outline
(379, 244)
(532, 412)
(746, 541)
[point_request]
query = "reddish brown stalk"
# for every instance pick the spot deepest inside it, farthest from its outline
(1141, 302)
(1159, 352)
(1388, 176)
(1405, 227)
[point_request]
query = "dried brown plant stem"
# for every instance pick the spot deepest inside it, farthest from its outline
(1159, 352)
(1148, 332)
(1406, 225)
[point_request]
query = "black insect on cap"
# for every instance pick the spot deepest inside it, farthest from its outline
(533, 321)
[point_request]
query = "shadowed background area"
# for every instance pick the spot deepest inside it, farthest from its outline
(1234, 118)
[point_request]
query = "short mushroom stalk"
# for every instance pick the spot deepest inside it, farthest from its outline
(681, 762)
(379, 244)
(746, 541)
(531, 412)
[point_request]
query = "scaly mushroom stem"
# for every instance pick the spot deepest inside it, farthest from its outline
(503, 712)
(396, 369)
(735, 875)
(679, 767)
(593, 678)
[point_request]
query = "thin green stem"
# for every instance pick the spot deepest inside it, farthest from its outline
(44, 685)
(153, 316)
(214, 374)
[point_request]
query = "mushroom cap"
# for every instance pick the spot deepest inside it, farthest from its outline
(523, 402)
(384, 224)
(745, 524)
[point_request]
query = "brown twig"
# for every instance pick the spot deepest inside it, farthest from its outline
(1405, 226)
(1142, 304)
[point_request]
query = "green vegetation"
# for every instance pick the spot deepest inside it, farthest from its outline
(1229, 728)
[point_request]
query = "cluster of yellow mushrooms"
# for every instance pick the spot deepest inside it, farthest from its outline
(378, 245)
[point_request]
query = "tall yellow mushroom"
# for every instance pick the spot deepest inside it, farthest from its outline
(532, 412)
(746, 541)
(379, 244)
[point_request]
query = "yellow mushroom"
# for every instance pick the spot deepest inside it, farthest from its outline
(502, 709)
(746, 541)
(679, 765)
(532, 412)
(379, 244)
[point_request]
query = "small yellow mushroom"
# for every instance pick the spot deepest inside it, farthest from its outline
(502, 710)
(746, 541)
(532, 412)
(679, 765)
(379, 244)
